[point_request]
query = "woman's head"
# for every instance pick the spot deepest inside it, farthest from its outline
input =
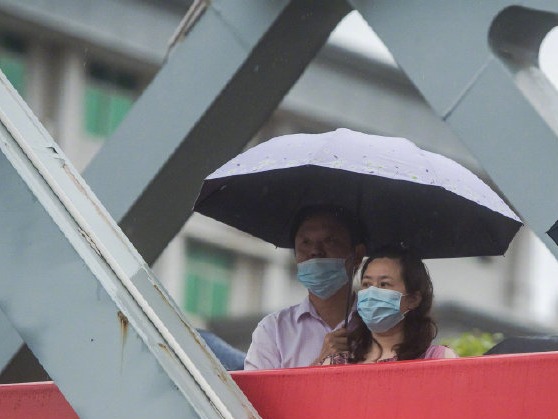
(396, 269)
(400, 270)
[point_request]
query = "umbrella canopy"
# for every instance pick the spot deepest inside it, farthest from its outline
(401, 193)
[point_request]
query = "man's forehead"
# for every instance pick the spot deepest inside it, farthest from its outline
(321, 222)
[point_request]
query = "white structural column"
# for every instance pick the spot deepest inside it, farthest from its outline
(83, 299)
(475, 63)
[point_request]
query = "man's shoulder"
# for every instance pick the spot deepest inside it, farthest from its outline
(284, 312)
(291, 313)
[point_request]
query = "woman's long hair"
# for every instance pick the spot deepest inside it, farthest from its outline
(418, 328)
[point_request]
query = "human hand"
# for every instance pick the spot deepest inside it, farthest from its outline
(334, 342)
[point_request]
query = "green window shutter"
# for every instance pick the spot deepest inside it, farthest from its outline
(208, 278)
(192, 292)
(96, 111)
(120, 104)
(13, 51)
(220, 299)
(109, 95)
(14, 70)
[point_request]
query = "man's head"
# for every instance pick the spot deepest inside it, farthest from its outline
(328, 250)
(327, 232)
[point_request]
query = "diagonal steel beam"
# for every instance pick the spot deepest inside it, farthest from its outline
(221, 81)
(83, 299)
(475, 63)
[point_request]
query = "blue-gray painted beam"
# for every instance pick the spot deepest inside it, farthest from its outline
(83, 299)
(220, 83)
(482, 80)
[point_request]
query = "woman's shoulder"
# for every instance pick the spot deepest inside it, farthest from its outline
(439, 351)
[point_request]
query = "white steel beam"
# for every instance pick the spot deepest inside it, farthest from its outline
(476, 64)
(83, 299)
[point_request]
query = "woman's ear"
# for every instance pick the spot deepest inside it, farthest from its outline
(412, 301)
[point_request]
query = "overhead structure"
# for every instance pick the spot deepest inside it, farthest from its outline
(85, 301)
(225, 74)
(491, 94)
(476, 64)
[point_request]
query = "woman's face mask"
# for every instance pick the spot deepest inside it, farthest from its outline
(323, 277)
(379, 308)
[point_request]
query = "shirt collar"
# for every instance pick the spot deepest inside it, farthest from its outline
(305, 308)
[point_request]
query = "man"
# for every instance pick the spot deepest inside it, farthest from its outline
(328, 248)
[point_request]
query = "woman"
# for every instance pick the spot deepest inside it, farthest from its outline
(393, 308)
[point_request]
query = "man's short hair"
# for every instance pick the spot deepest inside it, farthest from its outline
(342, 215)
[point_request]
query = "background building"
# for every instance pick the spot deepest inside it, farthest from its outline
(81, 65)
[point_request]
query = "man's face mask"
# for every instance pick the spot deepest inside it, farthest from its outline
(323, 277)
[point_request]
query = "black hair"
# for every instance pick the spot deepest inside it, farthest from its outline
(342, 215)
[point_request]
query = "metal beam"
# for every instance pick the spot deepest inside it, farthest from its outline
(475, 63)
(224, 76)
(256, 64)
(83, 299)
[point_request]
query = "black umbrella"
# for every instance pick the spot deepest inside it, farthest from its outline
(401, 193)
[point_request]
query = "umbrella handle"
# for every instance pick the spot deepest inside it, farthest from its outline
(349, 295)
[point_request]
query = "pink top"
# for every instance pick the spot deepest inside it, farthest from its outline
(433, 352)
(292, 337)
(439, 351)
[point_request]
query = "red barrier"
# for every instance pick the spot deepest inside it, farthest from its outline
(34, 401)
(499, 386)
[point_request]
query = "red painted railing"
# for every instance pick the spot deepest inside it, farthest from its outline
(500, 386)
(34, 401)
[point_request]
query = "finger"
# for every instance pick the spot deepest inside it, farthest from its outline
(340, 345)
(339, 332)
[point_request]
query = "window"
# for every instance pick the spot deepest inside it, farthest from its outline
(12, 60)
(109, 95)
(209, 272)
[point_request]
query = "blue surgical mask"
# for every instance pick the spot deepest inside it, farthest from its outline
(323, 277)
(379, 308)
